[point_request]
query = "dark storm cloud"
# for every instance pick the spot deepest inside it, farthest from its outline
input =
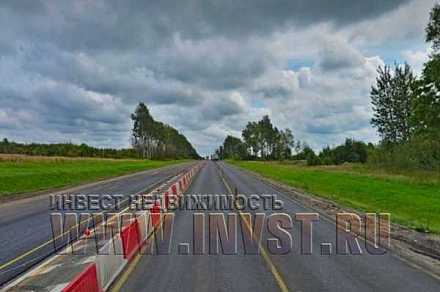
(79, 67)
(212, 70)
(333, 125)
(201, 18)
(222, 108)
(120, 25)
(336, 56)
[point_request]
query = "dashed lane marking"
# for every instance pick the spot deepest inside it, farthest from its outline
(273, 269)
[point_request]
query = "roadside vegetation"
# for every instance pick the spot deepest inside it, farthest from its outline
(24, 174)
(399, 175)
(65, 149)
(150, 140)
(412, 199)
(406, 114)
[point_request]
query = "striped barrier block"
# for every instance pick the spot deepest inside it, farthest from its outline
(145, 226)
(130, 239)
(174, 190)
(110, 261)
(163, 201)
(172, 195)
(180, 187)
(166, 200)
(86, 281)
(175, 193)
(155, 214)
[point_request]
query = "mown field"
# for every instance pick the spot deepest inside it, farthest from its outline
(23, 174)
(413, 199)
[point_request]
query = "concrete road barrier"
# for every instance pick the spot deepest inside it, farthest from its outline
(145, 226)
(155, 214)
(86, 281)
(181, 187)
(167, 198)
(174, 190)
(113, 257)
(130, 239)
(110, 262)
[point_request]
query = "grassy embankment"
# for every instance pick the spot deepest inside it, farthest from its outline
(23, 174)
(413, 199)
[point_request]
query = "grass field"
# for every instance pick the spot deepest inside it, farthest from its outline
(413, 199)
(23, 174)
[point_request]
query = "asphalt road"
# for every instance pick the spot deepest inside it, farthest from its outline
(240, 272)
(25, 224)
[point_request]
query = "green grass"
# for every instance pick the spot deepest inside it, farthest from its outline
(21, 174)
(412, 199)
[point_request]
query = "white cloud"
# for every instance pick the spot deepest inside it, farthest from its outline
(416, 59)
(78, 76)
(405, 23)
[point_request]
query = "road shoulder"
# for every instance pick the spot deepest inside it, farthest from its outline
(417, 249)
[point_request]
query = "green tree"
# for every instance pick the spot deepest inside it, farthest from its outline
(142, 130)
(426, 102)
(391, 100)
(154, 139)
(422, 149)
(268, 135)
(433, 28)
(252, 138)
(265, 141)
(310, 156)
(284, 144)
(234, 148)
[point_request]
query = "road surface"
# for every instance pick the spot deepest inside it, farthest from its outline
(290, 272)
(25, 224)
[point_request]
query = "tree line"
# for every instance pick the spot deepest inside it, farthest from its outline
(263, 141)
(406, 115)
(407, 109)
(64, 149)
(155, 140)
(351, 151)
(150, 140)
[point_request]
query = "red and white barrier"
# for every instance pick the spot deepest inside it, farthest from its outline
(180, 187)
(130, 239)
(114, 255)
(166, 199)
(174, 190)
(145, 226)
(110, 261)
(155, 214)
(86, 281)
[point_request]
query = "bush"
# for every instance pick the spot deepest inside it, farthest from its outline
(350, 151)
(313, 160)
(311, 157)
(420, 152)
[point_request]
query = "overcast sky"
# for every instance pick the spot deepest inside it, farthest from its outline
(75, 70)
